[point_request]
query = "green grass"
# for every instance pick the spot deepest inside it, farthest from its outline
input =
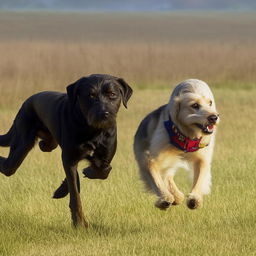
(123, 220)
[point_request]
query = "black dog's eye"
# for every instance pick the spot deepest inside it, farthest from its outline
(195, 106)
(111, 95)
(92, 95)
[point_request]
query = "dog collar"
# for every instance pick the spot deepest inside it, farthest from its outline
(181, 141)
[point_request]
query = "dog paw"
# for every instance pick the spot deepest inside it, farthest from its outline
(80, 222)
(163, 204)
(91, 173)
(47, 146)
(61, 191)
(194, 201)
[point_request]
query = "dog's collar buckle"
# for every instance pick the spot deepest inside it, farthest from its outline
(180, 141)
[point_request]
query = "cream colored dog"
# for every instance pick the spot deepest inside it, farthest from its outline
(178, 134)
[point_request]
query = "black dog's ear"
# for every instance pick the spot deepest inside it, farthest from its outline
(72, 92)
(126, 91)
(72, 89)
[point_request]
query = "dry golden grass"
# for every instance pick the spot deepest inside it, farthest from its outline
(27, 67)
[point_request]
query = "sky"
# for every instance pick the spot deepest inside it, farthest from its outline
(129, 5)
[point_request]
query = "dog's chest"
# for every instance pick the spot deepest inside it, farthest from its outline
(170, 157)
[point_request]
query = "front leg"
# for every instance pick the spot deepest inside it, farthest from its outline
(177, 194)
(201, 183)
(100, 161)
(75, 204)
(155, 171)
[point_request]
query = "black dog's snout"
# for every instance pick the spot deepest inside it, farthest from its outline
(105, 114)
(212, 119)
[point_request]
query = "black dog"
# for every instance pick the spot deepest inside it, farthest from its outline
(82, 122)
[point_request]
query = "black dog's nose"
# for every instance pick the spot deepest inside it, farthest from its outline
(212, 119)
(105, 114)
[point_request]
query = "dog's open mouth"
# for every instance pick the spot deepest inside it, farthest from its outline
(207, 129)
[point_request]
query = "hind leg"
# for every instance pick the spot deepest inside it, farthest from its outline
(22, 142)
(48, 143)
(9, 165)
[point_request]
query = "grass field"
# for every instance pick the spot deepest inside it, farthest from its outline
(123, 220)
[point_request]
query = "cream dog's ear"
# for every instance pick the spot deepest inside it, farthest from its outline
(175, 108)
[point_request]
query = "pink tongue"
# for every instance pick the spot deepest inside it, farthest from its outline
(210, 127)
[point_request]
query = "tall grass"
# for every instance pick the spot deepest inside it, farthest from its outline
(123, 220)
(27, 66)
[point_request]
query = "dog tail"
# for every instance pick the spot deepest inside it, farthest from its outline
(63, 190)
(5, 140)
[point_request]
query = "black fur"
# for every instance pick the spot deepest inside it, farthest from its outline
(82, 122)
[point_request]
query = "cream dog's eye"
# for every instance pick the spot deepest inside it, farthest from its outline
(195, 106)
(210, 103)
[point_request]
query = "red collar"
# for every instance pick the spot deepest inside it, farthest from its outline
(181, 141)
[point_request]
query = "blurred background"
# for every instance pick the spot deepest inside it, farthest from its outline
(132, 5)
(47, 44)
